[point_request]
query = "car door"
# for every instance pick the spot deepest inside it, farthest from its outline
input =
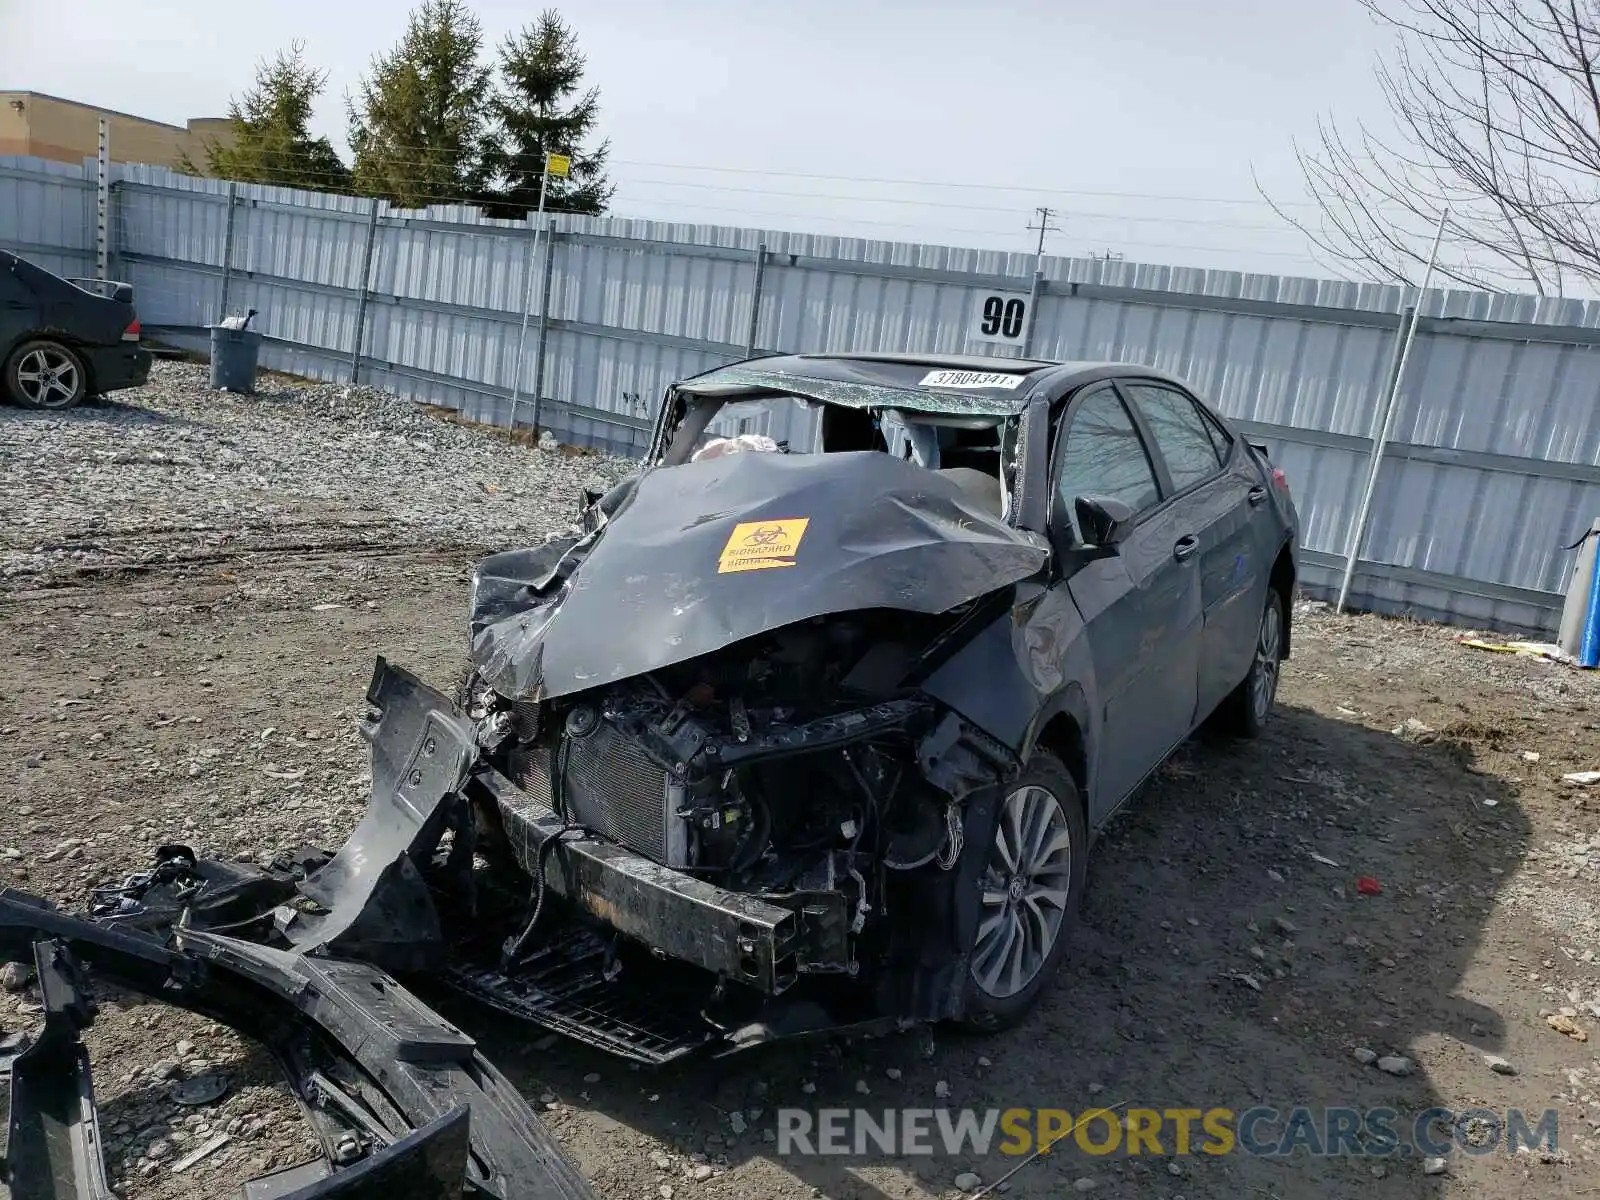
(1140, 601)
(1220, 494)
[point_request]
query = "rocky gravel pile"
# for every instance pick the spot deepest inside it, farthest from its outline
(174, 470)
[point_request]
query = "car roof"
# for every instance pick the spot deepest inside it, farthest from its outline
(909, 380)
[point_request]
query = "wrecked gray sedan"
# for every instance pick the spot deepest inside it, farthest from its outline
(808, 724)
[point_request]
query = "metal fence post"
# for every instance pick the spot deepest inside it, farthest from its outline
(1358, 527)
(227, 247)
(522, 333)
(366, 291)
(755, 300)
(544, 319)
(1034, 292)
(102, 203)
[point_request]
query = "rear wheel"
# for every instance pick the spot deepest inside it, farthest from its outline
(45, 374)
(1032, 881)
(1246, 710)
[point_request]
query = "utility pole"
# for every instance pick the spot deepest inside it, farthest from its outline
(1036, 289)
(1044, 226)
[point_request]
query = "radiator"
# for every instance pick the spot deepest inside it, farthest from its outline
(611, 786)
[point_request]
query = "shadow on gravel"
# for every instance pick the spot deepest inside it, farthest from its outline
(101, 410)
(1218, 964)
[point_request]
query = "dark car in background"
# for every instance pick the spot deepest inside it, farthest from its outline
(64, 340)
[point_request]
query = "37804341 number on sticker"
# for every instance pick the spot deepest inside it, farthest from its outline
(972, 379)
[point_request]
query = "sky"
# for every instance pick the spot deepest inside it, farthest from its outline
(1144, 125)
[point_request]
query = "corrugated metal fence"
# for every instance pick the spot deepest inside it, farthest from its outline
(1493, 467)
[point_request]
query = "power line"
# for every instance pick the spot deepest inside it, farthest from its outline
(753, 216)
(908, 202)
(1034, 190)
(935, 183)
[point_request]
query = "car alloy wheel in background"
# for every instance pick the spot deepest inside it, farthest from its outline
(46, 375)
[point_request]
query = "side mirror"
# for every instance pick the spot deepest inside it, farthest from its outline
(1105, 522)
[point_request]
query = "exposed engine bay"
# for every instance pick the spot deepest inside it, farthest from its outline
(795, 768)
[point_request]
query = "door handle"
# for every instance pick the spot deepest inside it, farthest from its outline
(1185, 546)
(1258, 496)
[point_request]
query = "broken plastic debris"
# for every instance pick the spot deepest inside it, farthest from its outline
(1250, 981)
(210, 1146)
(1413, 730)
(1562, 1023)
(1526, 649)
(1325, 860)
(1583, 778)
(272, 773)
(1368, 886)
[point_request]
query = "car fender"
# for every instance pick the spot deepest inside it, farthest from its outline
(1022, 670)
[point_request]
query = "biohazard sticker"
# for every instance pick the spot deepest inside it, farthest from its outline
(761, 545)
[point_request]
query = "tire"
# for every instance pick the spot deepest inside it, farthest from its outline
(1037, 904)
(1246, 710)
(45, 374)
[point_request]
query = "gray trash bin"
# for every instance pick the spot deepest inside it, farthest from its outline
(233, 358)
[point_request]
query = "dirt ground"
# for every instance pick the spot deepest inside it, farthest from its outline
(1225, 957)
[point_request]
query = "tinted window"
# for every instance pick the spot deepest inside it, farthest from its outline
(1182, 435)
(1103, 455)
(1220, 437)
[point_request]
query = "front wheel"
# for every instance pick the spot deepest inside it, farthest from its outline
(46, 374)
(1245, 711)
(1032, 881)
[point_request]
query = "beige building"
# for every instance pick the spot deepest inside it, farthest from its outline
(44, 126)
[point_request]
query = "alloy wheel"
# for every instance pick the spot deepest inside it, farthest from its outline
(1264, 683)
(47, 377)
(1026, 883)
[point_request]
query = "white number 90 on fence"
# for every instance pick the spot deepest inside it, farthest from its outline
(998, 317)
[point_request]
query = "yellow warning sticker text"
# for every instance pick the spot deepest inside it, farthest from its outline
(760, 545)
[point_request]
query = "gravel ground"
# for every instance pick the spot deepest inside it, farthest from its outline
(184, 642)
(177, 473)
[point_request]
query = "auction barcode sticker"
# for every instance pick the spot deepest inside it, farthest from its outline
(972, 379)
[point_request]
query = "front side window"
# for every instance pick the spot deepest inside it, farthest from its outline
(1181, 434)
(1103, 455)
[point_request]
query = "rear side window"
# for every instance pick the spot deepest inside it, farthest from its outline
(1103, 455)
(1182, 434)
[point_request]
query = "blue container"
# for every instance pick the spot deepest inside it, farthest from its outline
(234, 353)
(1589, 653)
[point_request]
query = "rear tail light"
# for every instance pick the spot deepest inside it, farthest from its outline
(131, 333)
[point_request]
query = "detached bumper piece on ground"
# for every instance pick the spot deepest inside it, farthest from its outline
(405, 1106)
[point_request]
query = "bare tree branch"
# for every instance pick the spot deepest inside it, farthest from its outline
(1496, 105)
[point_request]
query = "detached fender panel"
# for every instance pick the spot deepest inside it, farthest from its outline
(379, 906)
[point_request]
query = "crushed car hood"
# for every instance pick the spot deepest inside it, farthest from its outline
(688, 559)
